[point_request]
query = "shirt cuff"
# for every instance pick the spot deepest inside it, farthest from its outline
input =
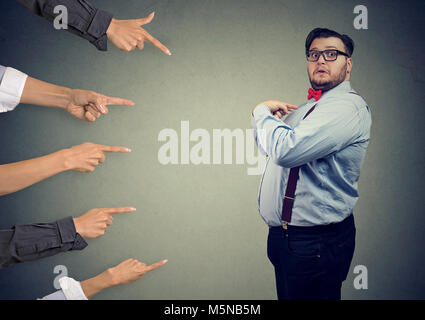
(68, 233)
(11, 88)
(72, 289)
(261, 110)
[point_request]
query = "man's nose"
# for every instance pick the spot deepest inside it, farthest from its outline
(321, 59)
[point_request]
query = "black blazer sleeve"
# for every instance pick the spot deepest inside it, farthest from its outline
(84, 20)
(35, 241)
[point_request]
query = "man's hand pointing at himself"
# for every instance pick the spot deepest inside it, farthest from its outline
(278, 108)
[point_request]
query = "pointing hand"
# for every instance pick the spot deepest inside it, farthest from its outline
(279, 108)
(88, 105)
(85, 157)
(126, 35)
(94, 222)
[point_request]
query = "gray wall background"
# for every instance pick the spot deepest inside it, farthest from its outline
(227, 57)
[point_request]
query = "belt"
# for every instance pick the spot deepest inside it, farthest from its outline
(332, 227)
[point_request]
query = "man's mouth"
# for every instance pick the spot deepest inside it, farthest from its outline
(321, 72)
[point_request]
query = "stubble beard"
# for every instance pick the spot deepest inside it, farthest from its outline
(329, 84)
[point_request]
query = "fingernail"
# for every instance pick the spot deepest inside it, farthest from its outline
(102, 108)
(128, 149)
(168, 52)
(165, 261)
(132, 208)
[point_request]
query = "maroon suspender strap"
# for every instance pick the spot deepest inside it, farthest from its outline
(289, 198)
(309, 111)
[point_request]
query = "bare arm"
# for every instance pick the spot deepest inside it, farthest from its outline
(97, 284)
(127, 271)
(19, 175)
(83, 158)
(45, 94)
(83, 104)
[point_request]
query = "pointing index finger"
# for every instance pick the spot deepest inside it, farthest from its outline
(118, 210)
(291, 106)
(156, 265)
(119, 101)
(285, 107)
(156, 43)
(114, 149)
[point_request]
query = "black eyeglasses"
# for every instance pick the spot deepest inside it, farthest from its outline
(329, 55)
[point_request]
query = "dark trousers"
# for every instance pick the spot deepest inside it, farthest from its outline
(311, 262)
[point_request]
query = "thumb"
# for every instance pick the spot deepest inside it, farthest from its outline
(146, 20)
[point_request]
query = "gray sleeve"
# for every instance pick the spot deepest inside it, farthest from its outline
(84, 20)
(29, 242)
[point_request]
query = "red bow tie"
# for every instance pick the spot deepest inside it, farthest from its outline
(314, 94)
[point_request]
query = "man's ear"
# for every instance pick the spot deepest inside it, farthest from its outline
(349, 65)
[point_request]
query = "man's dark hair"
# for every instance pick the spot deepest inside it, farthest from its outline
(326, 33)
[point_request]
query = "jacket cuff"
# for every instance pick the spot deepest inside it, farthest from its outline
(98, 27)
(68, 233)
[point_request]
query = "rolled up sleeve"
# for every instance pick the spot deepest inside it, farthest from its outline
(12, 85)
(332, 126)
(70, 290)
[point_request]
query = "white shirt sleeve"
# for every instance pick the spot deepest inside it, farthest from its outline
(11, 87)
(70, 290)
(57, 295)
(2, 70)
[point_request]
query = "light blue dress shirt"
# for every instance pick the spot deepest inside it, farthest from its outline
(329, 145)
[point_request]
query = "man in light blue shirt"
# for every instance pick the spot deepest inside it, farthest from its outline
(309, 185)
